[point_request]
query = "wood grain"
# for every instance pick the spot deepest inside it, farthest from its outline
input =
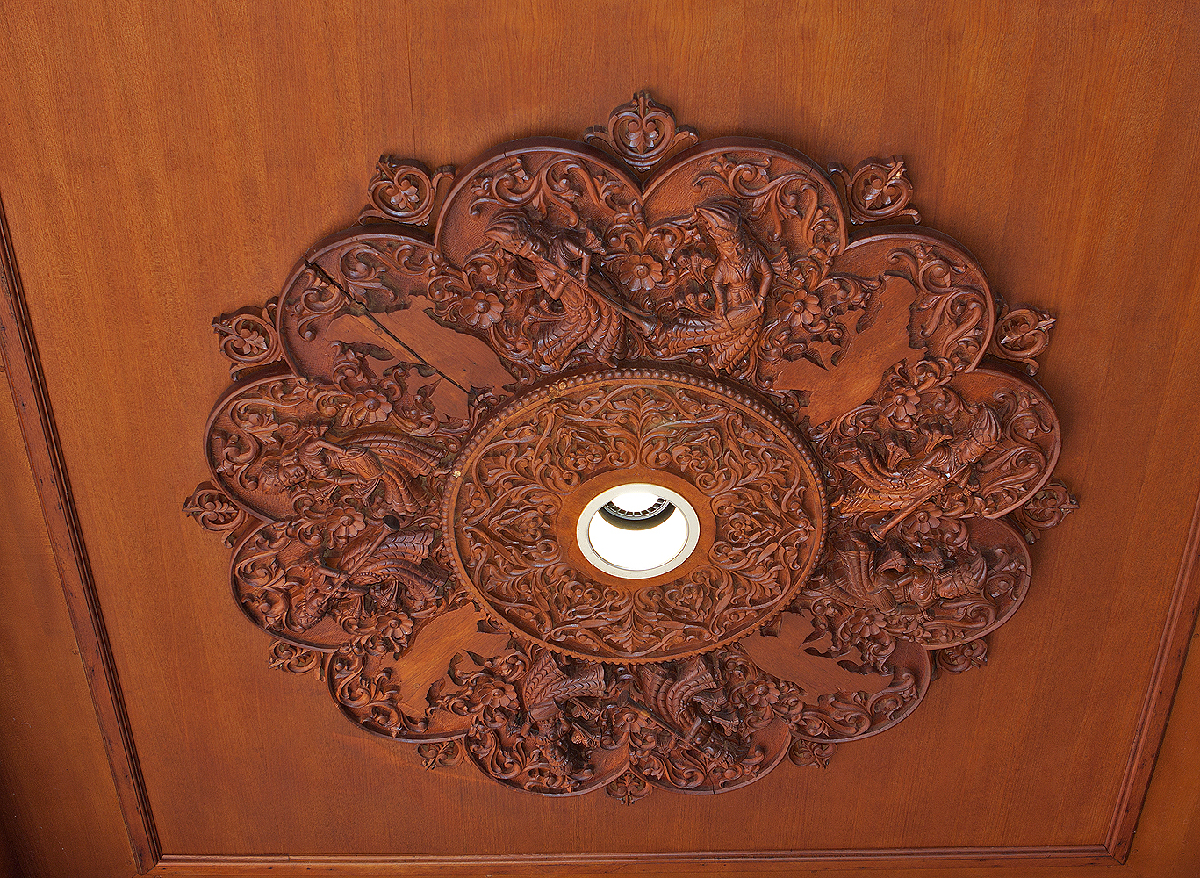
(61, 814)
(22, 365)
(164, 165)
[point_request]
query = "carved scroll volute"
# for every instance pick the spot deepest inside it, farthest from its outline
(642, 133)
(215, 511)
(1022, 335)
(249, 337)
(877, 190)
(404, 190)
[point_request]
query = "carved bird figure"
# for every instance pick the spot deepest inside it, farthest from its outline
(903, 489)
(370, 460)
(545, 686)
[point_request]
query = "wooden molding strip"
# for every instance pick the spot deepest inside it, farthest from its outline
(36, 418)
(27, 383)
(715, 862)
(1160, 695)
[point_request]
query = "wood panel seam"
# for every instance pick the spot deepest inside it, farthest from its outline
(44, 451)
(200, 865)
(1160, 696)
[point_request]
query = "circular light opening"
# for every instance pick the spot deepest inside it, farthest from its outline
(638, 531)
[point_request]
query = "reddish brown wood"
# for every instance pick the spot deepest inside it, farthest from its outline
(1168, 663)
(329, 456)
(169, 163)
(36, 417)
(968, 863)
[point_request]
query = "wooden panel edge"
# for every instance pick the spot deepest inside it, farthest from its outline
(579, 864)
(36, 418)
(1160, 696)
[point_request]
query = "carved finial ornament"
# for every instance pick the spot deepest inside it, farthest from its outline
(840, 415)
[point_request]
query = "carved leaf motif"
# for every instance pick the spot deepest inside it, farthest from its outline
(953, 315)
(642, 133)
(877, 189)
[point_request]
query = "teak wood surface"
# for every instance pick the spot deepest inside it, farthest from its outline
(163, 164)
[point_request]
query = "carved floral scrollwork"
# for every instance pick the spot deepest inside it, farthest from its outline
(877, 190)
(249, 337)
(642, 133)
(521, 473)
(864, 490)
(404, 190)
(1021, 335)
(1045, 509)
(214, 511)
(963, 656)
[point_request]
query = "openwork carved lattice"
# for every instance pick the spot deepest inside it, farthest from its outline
(418, 419)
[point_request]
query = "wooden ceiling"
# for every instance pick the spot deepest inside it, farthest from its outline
(165, 163)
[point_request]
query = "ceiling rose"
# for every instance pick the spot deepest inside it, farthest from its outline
(632, 464)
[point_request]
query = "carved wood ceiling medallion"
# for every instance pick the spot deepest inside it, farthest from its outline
(423, 424)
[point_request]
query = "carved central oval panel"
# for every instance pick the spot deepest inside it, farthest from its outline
(520, 487)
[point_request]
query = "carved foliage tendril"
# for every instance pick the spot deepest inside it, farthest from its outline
(404, 190)
(642, 133)
(214, 511)
(1021, 335)
(1045, 509)
(877, 189)
(249, 338)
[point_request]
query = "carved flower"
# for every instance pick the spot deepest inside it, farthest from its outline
(641, 273)
(864, 624)
(250, 341)
(926, 521)
(583, 457)
(369, 407)
(688, 457)
(901, 407)
(346, 523)
(802, 310)
(762, 693)
(482, 309)
(740, 528)
(407, 191)
(489, 694)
